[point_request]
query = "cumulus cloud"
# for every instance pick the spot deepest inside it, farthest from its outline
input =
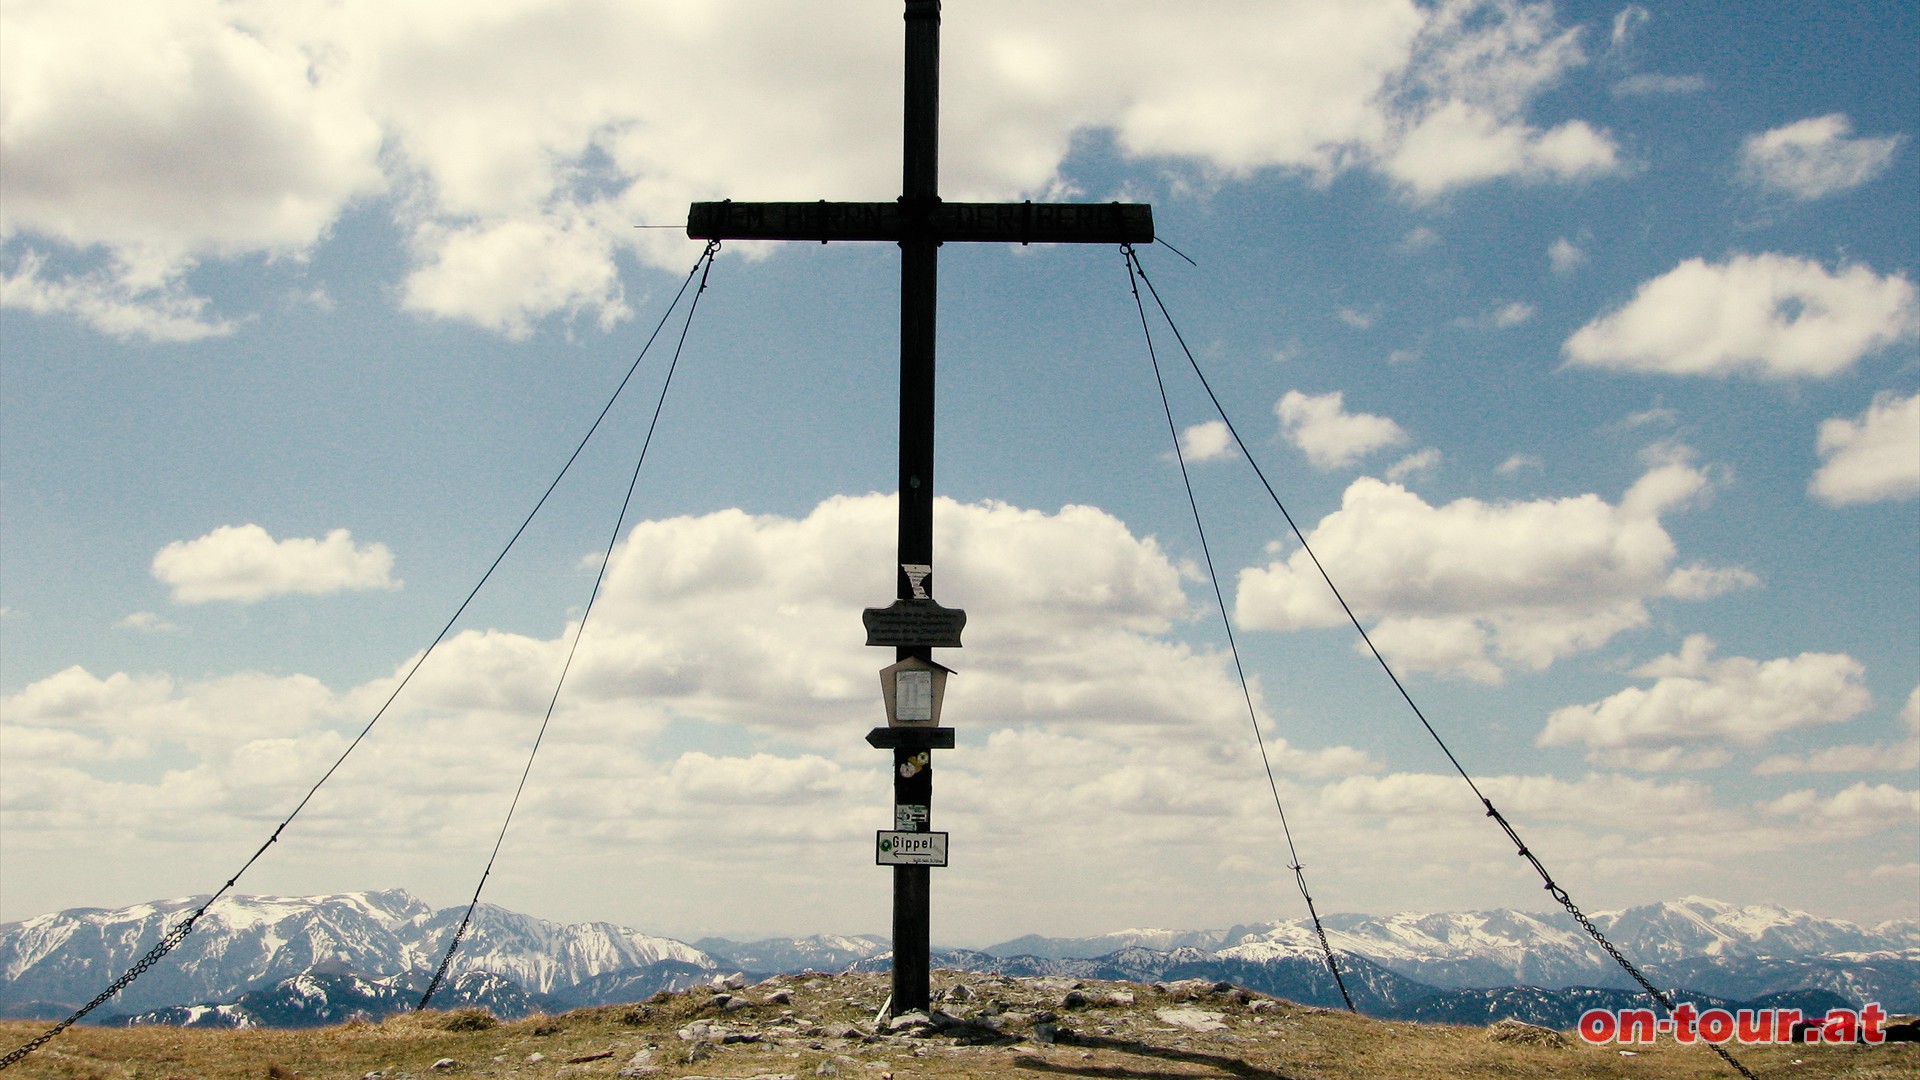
(1900, 756)
(1565, 256)
(163, 133)
(244, 563)
(515, 148)
(1873, 458)
(1770, 316)
(1698, 708)
(1477, 589)
(1414, 464)
(117, 300)
(1815, 157)
(1088, 720)
(1472, 78)
(1330, 436)
(1860, 809)
(1210, 441)
(1457, 145)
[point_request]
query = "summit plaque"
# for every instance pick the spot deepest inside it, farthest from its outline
(914, 624)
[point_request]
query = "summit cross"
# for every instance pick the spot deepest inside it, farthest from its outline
(919, 222)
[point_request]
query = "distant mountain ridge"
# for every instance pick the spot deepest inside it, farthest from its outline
(292, 961)
(1502, 947)
(248, 942)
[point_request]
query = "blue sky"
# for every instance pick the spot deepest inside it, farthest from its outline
(1579, 338)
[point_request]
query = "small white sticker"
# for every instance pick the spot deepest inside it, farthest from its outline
(917, 574)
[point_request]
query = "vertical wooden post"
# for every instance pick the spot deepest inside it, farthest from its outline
(915, 625)
(919, 281)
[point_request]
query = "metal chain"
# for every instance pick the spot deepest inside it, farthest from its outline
(166, 945)
(1299, 875)
(1558, 893)
(445, 963)
(1573, 909)
(703, 267)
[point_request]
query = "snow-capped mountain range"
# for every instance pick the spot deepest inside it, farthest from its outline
(319, 958)
(245, 942)
(1502, 947)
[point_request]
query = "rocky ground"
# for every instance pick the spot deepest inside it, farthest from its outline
(809, 1026)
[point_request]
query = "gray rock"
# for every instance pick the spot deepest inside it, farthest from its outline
(1515, 1031)
(1192, 1019)
(445, 1063)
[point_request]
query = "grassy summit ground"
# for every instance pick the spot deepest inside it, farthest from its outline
(817, 1025)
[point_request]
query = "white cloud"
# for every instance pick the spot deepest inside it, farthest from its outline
(517, 146)
(1873, 458)
(1627, 23)
(1210, 441)
(145, 622)
(1815, 157)
(1519, 463)
(740, 626)
(1418, 239)
(1771, 316)
(1414, 464)
(1657, 416)
(1565, 256)
(245, 564)
(1504, 317)
(1901, 756)
(1330, 436)
(1477, 589)
(118, 301)
(1459, 144)
(164, 133)
(1648, 84)
(1860, 809)
(1698, 707)
(1473, 77)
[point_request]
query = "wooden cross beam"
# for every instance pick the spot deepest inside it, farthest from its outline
(919, 222)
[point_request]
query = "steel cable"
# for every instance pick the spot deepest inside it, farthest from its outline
(1559, 894)
(1299, 873)
(179, 931)
(466, 920)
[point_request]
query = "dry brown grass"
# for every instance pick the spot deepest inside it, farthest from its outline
(801, 1038)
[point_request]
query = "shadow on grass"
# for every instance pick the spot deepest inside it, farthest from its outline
(1225, 1066)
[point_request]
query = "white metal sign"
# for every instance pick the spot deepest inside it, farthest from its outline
(910, 848)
